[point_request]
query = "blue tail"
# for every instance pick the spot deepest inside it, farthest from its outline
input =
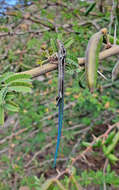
(60, 119)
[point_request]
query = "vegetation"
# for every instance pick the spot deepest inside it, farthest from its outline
(88, 156)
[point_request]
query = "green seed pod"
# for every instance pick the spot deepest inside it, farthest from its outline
(115, 71)
(92, 58)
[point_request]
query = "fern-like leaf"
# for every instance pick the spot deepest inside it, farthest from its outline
(5, 76)
(22, 89)
(15, 77)
(11, 106)
(53, 45)
(10, 96)
(26, 84)
(1, 115)
(68, 43)
(3, 93)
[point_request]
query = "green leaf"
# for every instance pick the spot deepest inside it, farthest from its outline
(59, 36)
(86, 144)
(3, 93)
(48, 185)
(4, 29)
(90, 8)
(22, 89)
(10, 96)
(110, 137)
(5, 75)
(15, 77)
(68, 43)
(11, 106)
(111, 39)
(108, 168)
(53, 45)
(33, 43)
(1, 115)
(114, 142)
(26, 84)
(112, 157)
(97, 143)
(104, 148)
(72, 61)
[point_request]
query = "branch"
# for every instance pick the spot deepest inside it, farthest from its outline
(13, 135)
(114, 50)
(39, 152)
(41, 70)
(89, 148)
(3, 34)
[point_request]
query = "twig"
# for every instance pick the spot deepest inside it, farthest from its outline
(52, 160)
(115, 34)
(89, 148)
(102, 75)
(4, 34)
(110, 84)
(104, 171)
(4, 150)
(75, 127)
(13, 135)
(39, 152)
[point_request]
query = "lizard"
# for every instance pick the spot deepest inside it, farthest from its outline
(60, 97)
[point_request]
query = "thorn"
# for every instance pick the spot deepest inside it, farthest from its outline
(102, 75)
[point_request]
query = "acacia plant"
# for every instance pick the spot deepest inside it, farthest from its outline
(32, 40)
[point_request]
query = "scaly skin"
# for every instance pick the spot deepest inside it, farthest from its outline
(60, 119)
(60, 98)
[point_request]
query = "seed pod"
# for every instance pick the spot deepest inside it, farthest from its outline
(92, 58)
(115, 71)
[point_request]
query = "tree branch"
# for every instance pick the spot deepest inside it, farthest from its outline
(41, 70)
(114, 50)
